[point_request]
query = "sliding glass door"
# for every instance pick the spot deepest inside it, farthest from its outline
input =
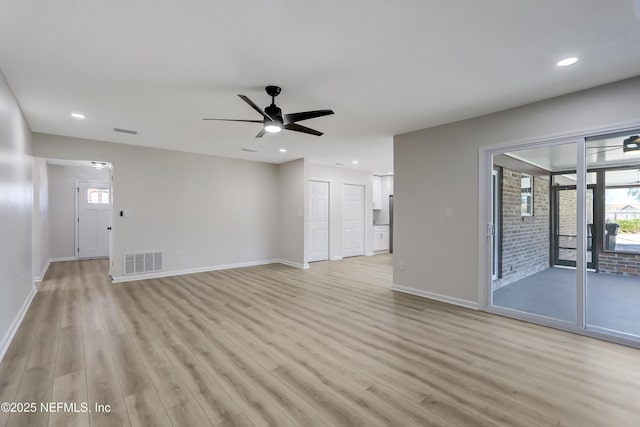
(613, 289)
(564, 241)
(527, 281)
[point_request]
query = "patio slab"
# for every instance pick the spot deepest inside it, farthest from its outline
(613, 302)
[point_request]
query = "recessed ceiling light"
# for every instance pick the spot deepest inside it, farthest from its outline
(567, 61)
(79, 116)
(355, 162)
(283, 150)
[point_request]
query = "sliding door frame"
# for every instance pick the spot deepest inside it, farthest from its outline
(486, 230)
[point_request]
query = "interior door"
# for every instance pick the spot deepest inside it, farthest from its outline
(352, 220)
(564, 237)
(94, 208)
(318, 221)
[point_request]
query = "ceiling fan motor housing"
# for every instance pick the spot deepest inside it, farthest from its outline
(275, 113)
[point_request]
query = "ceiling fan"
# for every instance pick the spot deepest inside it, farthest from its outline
(274, 121)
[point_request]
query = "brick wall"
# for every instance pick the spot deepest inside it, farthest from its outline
(619, 263)
(525, 240)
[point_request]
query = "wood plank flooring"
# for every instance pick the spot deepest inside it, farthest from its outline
(277, 346)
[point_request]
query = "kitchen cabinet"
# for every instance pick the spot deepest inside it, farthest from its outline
(381, 238)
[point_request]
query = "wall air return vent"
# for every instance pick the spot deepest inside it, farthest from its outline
(142, 262)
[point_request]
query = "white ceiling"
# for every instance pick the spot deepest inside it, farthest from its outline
(384, 67)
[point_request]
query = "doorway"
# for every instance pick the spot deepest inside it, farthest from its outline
(318, 221)
(352, 220)
(93, 219)
(564, 227)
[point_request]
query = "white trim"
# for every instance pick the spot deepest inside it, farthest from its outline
(169, 273)
(336, 258)
(581, 244)
(369, 254)
(555, 138)
(438, 297)
(8, 337)
(290, 263)
(62, 258)
(42, 272)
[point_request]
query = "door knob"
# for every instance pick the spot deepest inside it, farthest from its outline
(109, 228)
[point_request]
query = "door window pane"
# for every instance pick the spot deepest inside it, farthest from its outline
(612, 292)
(98, 196)
(527, 278)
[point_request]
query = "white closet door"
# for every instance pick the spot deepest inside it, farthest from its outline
(352, 220)
(318, 221)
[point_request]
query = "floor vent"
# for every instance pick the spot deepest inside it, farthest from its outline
(142, 262)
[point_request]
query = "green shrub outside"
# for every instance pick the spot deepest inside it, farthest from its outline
(629, 225)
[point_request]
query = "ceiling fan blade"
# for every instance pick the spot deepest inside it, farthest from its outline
(299, 128)
(306, 115)
(259, 135)
(233, 120)
(255, 107)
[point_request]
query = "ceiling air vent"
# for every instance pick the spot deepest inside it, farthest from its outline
(249, 150)
(142, 262)
(130, 132)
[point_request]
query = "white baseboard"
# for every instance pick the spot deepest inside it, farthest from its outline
(42, 273)
(64, 258)
(292, 264)
(8, 337)
(336, 258)
(369, 254)
(438, 297)
(169, 273)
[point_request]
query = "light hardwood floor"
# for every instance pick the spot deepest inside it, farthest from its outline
(274, 345)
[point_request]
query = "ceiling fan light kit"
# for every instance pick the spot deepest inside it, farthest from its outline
(631, 144)
(273, 121)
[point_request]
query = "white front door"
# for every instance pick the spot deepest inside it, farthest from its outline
(94, 208)
(352, 220)
(318, 221)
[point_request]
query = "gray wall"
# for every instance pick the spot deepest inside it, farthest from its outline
(16, 209)
(437, 168)
(202, 211)
(62, 201)
(291, 212)
(525, 240)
